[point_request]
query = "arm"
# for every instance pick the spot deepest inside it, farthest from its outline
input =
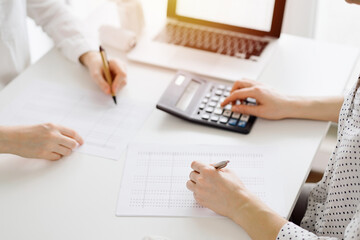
(224, 193)
(71, 37)
(272, 105)
(47, 141)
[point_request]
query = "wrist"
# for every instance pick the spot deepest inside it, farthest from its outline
(294, 107)
(6, 141)
(88, 58)
(256, 218)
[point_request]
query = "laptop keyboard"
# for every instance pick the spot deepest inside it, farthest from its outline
(204, 39)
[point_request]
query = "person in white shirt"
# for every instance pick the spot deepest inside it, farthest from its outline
(47, 141)
(332, 206)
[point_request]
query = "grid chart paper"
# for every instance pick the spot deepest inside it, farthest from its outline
(105, 127)
(155, 176)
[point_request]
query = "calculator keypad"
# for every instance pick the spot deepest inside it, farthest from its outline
(210, 109)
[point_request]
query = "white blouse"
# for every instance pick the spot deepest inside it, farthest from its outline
(333, 210)
(53, 16)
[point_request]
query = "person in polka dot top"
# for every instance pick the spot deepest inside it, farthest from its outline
(333, 204)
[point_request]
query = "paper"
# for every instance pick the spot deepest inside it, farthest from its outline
(105, 127)
(155, 176)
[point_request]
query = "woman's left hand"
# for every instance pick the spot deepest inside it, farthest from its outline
(92, 60)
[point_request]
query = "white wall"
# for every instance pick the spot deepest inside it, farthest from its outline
(338, 21)
(300, 16)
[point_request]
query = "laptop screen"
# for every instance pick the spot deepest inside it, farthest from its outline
(251, 14)
(254, 17)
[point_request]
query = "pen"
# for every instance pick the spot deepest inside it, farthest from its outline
(221, 164)
(107, 71)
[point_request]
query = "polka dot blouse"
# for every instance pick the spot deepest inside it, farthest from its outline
(333, 210)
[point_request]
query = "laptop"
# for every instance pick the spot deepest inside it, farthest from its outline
(226, 39)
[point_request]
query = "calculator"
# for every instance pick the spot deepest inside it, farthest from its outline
(195, 99)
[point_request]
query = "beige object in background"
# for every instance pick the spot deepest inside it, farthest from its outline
(131, 15)
(118, 38)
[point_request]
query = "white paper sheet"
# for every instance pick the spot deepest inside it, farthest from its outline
(155, 176)
(105, 127)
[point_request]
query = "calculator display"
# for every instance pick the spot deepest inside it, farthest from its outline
(188, 95)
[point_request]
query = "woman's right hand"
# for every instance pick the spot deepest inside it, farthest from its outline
(46, 141)
(269, 103)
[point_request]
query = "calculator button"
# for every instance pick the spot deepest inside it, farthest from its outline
(221, 87)
(218, 92)
(224, 120)
(208, 95)
(202, 106)
(228, 107)
(214, 118)
(226, 94)
(212, 104)
(228, 89)
(244, 118)
(215, 98)
(233, 121)
(242, 124)
(222, 99)
(205, 116)
(236, 115)
(205, 100)
(251, 101)
(218, 111)
(209, 109)
(227, 113)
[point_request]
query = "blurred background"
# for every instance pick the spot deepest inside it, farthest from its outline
(325, 20)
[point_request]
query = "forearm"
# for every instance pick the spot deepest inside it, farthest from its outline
(5, 140)
(315, 108)
(258, 220)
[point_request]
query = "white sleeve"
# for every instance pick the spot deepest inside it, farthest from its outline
(66, 30)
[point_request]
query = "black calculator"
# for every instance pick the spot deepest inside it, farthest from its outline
(198, 100)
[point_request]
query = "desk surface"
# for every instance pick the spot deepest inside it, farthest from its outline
(75, 198)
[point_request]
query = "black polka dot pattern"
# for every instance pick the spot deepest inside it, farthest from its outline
(333, 210)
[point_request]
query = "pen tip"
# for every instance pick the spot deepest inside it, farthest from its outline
(114, 97)
(100, 48)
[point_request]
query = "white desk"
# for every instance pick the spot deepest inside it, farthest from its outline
(75, 198)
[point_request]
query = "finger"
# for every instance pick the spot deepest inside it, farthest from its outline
(242, 84)
(240, 94)
(71, 134)
(194, 176)
(100, 80)
(63, 151)
(117, 69)
(190, 185)
(118, 84)
(53, 156)
(246, 109)
(119, 73)
(68, 142)
(198, 166)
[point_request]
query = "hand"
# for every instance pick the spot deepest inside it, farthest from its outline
(46, 141)
(220, 190)
(223, 192)
(92, 60)
(270, 104)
